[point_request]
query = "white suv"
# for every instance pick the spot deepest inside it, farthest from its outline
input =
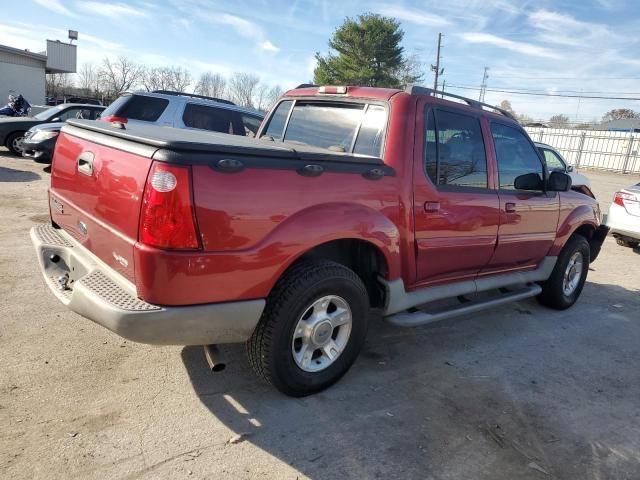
(184, 110)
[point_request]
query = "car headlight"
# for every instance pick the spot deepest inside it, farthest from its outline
(42, 135)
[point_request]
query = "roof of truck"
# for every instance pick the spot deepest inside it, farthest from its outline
(352, 91)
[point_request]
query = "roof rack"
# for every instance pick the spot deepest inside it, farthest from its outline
(183, 94)
(417, 90)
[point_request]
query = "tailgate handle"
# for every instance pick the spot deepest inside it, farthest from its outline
(85, 163)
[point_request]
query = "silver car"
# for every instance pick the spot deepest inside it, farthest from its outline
(556, 162)
(184, 110)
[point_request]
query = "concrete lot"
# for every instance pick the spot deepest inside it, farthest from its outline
(519, 392)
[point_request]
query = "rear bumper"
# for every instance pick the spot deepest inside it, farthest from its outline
(96, 292)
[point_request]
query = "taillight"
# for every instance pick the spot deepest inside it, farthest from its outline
(168, 218)
(620, 197)
(113, 118)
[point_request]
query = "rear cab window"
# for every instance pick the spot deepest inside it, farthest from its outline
(349, 127)
(137, 107)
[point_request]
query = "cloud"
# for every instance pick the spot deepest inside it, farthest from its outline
(563, 29)
(116, 11)
(412, 16)
(244, 28)
(55, 6)
(267, 46)
(518, 47)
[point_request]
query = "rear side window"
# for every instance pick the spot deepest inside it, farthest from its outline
(515, 155)
(369, 140)
(137, 107)
(251, 124)
(208, 118)
(454, 150)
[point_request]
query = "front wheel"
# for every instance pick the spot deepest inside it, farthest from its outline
(565, 284)
(14, 143)
(312, 329)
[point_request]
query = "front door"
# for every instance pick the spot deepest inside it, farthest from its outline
(528, 218)
(456, 206)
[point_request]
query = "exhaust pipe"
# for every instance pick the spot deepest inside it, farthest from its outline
(212, 355)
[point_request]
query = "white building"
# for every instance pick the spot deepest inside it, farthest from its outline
(23, 72)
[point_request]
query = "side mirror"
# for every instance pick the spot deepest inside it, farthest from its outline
(569, 168)
(528, 181)
(558, 182)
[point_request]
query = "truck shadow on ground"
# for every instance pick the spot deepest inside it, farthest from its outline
(12, 175)
(513, 393)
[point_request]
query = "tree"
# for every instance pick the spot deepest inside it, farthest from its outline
(559, 121)
(88, 79)
(365, 51)
(619, 114)
(118, 76)
(506, 105)
(58, 84)
(242, 87)
(211, 85)
(410, 71)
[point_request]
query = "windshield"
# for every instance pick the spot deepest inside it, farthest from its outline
(337, 126)
(48, 113)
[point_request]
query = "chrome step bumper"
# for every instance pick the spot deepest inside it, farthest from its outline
(92, 289)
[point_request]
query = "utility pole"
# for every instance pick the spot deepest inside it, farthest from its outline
(436, 68)
(483, 87)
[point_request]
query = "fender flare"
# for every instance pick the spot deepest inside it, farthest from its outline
(579, 217)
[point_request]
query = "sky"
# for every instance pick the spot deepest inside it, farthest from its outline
(574, 47)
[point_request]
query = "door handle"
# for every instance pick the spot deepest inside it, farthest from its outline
(85, 163)
(431, 207)
(510, 207)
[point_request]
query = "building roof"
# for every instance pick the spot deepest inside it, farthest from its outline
(25, 53)
(624, 124)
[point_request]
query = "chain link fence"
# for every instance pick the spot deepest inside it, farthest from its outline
(602, 150)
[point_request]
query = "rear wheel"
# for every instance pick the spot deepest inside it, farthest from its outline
(312, 329)
(14, 143)
(565, 284)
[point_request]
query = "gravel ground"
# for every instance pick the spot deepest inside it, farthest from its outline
(518, 392)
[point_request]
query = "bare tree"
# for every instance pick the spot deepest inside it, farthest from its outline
(120, 75)
(559, 121)
(156, 78)
(411, 70)
(179, 78)
(261, 97)
(619, 114)
(211, 85)
(242, 87)
(88, 78)
(58, 84)
(274, 94)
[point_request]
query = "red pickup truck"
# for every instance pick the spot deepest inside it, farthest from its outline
(350, 200)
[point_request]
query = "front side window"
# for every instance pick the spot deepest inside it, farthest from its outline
(454, 152)
(515, 155)
(208, 118)
(554, 162)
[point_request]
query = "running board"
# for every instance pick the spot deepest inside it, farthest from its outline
(418, 317)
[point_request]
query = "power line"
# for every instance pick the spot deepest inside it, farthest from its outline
(581, 91)
(539, 94)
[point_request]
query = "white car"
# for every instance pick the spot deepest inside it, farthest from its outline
(624, 216)
(557, 163)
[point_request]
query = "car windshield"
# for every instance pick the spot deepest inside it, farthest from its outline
(48, 113)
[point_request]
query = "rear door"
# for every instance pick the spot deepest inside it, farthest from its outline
(456, 206)
(528, 219)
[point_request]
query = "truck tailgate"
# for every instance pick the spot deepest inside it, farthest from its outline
(96, 195)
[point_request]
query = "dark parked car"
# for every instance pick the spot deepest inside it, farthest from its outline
(38, 143)
(13, 129)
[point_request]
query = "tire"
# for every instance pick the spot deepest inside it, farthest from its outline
(554, 294)
(12, 143)
(276, 353)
